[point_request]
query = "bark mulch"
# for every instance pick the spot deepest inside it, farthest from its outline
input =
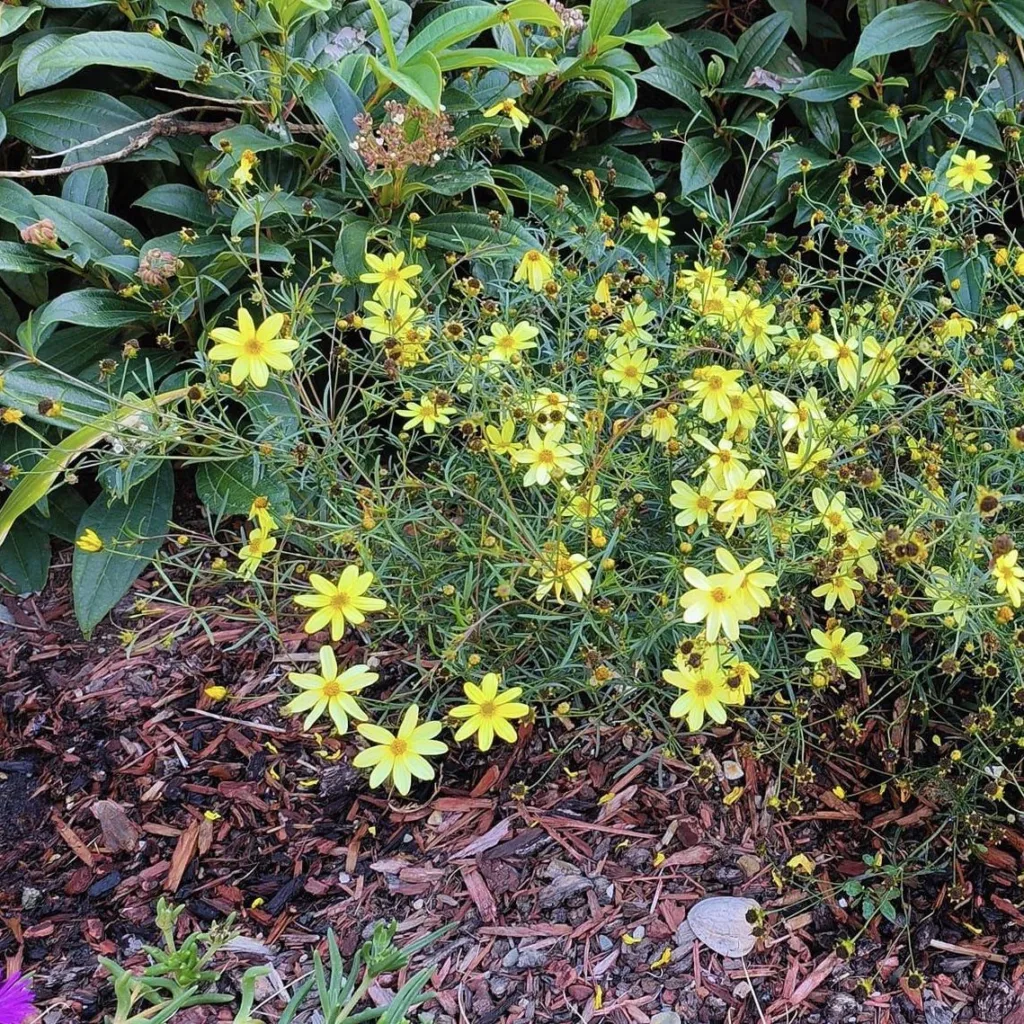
(566, 878)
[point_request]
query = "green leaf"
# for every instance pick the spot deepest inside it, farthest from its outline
(702, 159)
(350, 249)
(335, 104)
(450, 28)
(18, 258)
(674, 82)
(1012, 13)
(604, 16)
(970, 272)
(64, 508)
(902, 28)
(64, 118)
(229, 488)
(96, 233)
(797, 10)
(791, 157)
(420, 79)
(132, 533)
(25, 559)
(384, 28)
(186, 204)
(86, 187)
(12, 18)
(630, 175)
(483, 57)
(823, 86)
(472, 233)
(91, 307)
(138, 51)
(756, 47)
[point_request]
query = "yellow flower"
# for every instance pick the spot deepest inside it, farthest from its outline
(535, 269)
(507, 346)
(390, 277)
(430, 412)
(629, 369)
(1008, 575)
(847, 357)
(651, 225)
(489, 713)
(216, 692)
(705, 692)
(403, 755)
(711, 387)
(243, 172)
(500, 440)
(661, 424)
(253, 351)
(547, 457)
(555, 407)
(725, 466)
(634, 321)
(947, 601)
(967, 171)
(259, 510)
(508, 108)
(393, 320)
(840, 587)
(715, 601)
(583, 508)
(258, 543)
(558, 569)
(801, 864)
(694, 506)
(742, 502)
(339, 603)
(700, 277)
(90, 541)
(956, 328)
(839, 648)
(330, 691)
(749, 582)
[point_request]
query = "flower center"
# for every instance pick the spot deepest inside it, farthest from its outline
(703, 687)
(546, 457)
(487, 709)
(718, 595)
(630, 371)
(331, 688)
(253, 346)
(398, 747)
(340, 601)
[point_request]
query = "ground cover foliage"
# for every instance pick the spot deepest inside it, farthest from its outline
(651, 364)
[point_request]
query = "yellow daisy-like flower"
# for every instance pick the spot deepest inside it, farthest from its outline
(535, 269)
(1008, 576)
(507, 346)
(400, 756)
(390, 277)
(586, 507)
(749, 582)
(258, 543)
(742, 502)
(629, 370)
(967, 171)
(510, 109)
(715, 601)
(840, 588)
(339, 603)
(501, 440)
(651, 225)
(705, 692)
(694, 506)
(547, 457)
(90, 541)
(331, 691)
(242, 175)
(489, 712)
(429, 412)
(839, 648)
(560, 570)
(253, 351)
(395, 319)
(660, 424)
(259, 511)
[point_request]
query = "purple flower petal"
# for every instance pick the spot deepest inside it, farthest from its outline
(16, 1004)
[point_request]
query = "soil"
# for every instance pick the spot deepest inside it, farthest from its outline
(566, 881)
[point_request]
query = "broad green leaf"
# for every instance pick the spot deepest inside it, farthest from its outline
(91, 307)
(481, 57)
(1012, 12)
(132, 533)
(25, 559)
(33, 486)
(472, 233)
(350, 250)
(701, 161)
(17, 258)
(604, 16)
(384, 28)
(12, 18)
(966, 277)
(824, 86)
(64, 508)
(86, 187)
(672, 81)
(902, 28)
(335, 104)
(187, 204)
(1009, 76)
(451, 28)
(17, 204)
(246, 136)
(95, 232)
(138, 51)
(620, 84)
(229, 488)
(420, 80)
(797, 10)
(64, 118)
(631, 177)
(757, 46)
(795, 159)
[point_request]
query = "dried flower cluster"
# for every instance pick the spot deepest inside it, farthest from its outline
(407, 137)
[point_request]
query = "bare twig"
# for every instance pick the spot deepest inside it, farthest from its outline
(167, 126)
(124, 129)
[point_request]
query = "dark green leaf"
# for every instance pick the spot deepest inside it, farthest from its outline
(702, 159)
(757, 46)
(86, 187)
(24, 559)
(229, 488)
(903, 27)
(132, 533)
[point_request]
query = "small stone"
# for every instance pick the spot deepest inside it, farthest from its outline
(103, 885)
(748, 864)
(667, 1017)
(418, 904)
(30, 898)
(732, 770)
(510, 959)
(604, 943)
(742, 990)
(499, 985)
(533, 957)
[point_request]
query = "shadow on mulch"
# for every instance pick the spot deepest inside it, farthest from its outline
(121, 782)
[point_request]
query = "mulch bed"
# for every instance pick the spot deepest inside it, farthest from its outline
(566, 878)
